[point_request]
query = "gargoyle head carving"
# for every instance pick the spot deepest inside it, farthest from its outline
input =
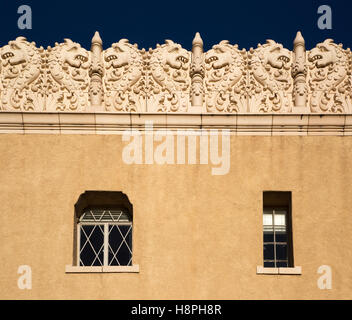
(175, 56)
(323, 54)
(74, 54)
(15, 52)
(276, 55)
(220, 55)
(119, 55)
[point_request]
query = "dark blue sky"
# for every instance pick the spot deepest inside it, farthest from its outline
(147, 23)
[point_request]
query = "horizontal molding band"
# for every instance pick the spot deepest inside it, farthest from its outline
(117, 123)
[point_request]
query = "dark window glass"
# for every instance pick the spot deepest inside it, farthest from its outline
(269, 252)
(281, 252)
(120, 245)
(269, 264)
(268, 237)
(92, 243)
(281, 264)
(281, 237)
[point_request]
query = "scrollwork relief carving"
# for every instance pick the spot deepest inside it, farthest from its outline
(329, 81)
(67, 67)
(169, 78)
(124, 80)
(270, 81)
(22, 84)
(225, 79)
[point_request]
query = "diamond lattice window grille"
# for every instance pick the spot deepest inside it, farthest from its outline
(91, 245)
(105, 238)
(97, 215)
(120, 250)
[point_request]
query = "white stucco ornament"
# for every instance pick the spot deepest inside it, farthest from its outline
(171, 79)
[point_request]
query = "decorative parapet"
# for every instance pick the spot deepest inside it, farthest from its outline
(269, 79)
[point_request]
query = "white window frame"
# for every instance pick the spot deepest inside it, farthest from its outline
(131, 268)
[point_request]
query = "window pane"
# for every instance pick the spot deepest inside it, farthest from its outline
(267, 218)
(280, 218)
(268, 252)
(269, 264)
(91, 245)
(280, 237)
(120, 245)
(282, 264)
(281, 252)
(268, 229)
(280, 229)
(268, 237)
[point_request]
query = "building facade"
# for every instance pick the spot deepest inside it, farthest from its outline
(175, 174)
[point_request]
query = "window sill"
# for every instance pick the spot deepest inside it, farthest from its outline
(293, 271)
(103, 269)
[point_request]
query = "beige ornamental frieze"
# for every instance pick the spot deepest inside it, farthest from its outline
(269, 79)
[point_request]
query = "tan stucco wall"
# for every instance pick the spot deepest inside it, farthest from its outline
(196, 236)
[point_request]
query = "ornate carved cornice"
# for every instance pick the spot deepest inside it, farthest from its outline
(269, 79)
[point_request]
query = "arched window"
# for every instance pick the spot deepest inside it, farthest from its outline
(103, 233)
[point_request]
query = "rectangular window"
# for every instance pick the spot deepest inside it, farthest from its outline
(105, 238)
(277, 230)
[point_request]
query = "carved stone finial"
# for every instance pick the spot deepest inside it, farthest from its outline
(197, 41)
(299, 72)
(96, 72)
(96, 39)
(299, 40)
(197, 72)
